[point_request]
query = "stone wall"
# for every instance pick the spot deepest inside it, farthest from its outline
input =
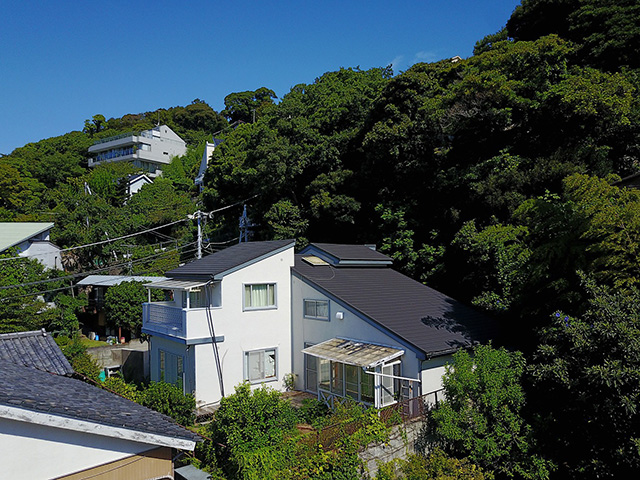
(401, 443)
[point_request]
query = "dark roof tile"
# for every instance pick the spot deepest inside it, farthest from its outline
(35, 349)
(421, 316)
(38, 391)
(228, 259)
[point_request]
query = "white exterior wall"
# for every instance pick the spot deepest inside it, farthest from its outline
(31, 451)
(243, 331)
(45, 252)
(432, 372)
(308, 330)
(250, 330)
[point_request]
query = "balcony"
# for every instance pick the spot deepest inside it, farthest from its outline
(169, 319)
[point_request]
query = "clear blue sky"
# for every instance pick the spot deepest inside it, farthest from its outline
(63, 61)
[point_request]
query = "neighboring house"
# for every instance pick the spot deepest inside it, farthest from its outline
(136, 182)
(241, 297)
(337, 316)
(148, 150)
(31, 239)
(96, 287)
(204, 163)
(53, 426)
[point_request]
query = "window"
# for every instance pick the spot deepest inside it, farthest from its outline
(172, 369)
(260, 365)
(261, 295)
(316, 309)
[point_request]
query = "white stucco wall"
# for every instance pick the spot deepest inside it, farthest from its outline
(31, 452)
(307, 330)
(44, 251)
(243, 331)
(432, 372)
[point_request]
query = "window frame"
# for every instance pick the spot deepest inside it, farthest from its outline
(246, 374)
(246, 308)
(316, 301)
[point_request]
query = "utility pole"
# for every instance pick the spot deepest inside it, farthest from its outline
(199, 215)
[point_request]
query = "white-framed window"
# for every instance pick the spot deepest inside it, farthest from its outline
(318, 309)
(259, 296)
(172, 368)
(261, 365)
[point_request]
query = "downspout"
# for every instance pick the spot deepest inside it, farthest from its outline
(216, 353)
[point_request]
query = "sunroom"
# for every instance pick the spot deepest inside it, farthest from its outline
(368, 373)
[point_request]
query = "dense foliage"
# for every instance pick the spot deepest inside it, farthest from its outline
(482, 416)
(492, 178)
(123, 305)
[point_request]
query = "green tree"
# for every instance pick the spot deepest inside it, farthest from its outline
(482, 417)
(246, 106)
(586, 382)
(123, 305)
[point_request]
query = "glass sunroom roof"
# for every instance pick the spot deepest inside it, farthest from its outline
(353, 352)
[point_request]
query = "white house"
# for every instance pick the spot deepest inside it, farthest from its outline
(148, 150)
(337, 316)
(241, 297)
(31, 239)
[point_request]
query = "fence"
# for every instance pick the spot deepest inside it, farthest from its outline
(400, 412)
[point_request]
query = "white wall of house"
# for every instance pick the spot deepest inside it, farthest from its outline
(313, 331)
(432, 372)
(44, 251)
(35, 451)
(244, 330)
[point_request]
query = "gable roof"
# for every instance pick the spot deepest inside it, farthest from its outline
(341, 254)
(230, 259)
(27, 394)
(14, 233)
(35, 349)
(432, 322)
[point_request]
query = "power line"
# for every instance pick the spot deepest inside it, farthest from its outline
(81, 274)
(132, 234)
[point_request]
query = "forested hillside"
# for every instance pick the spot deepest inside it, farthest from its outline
(490, 178)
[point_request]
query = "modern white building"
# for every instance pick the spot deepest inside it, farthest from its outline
(148, 150)
(31, 239)
(209, 148)
(338, 317)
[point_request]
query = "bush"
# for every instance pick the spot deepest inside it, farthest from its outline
(117, 385)
(169, 400)
(312, 410)
(80, 360)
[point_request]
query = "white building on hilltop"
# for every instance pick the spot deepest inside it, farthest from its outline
(148, 150)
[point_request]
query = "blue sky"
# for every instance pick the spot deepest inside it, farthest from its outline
(63, 61)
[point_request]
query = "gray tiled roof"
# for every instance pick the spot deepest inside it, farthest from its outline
(423, 317)
(35, 349)
(228, 259)
(34, 390)
(344, 252)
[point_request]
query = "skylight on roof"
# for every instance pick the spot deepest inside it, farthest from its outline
(313, 260)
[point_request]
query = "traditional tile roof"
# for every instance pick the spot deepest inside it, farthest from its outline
(14, 233)
(35, 349)
(43, 393)
(230, 259)
(419, 315)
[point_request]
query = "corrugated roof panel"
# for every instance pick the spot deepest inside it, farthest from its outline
(13, 233)
(353, 352)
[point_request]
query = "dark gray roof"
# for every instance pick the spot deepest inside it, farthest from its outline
(35, 349)
(34, 390)
(342, 252)
(229, 259)
(421, 316)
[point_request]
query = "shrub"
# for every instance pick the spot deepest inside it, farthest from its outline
(169, 400)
